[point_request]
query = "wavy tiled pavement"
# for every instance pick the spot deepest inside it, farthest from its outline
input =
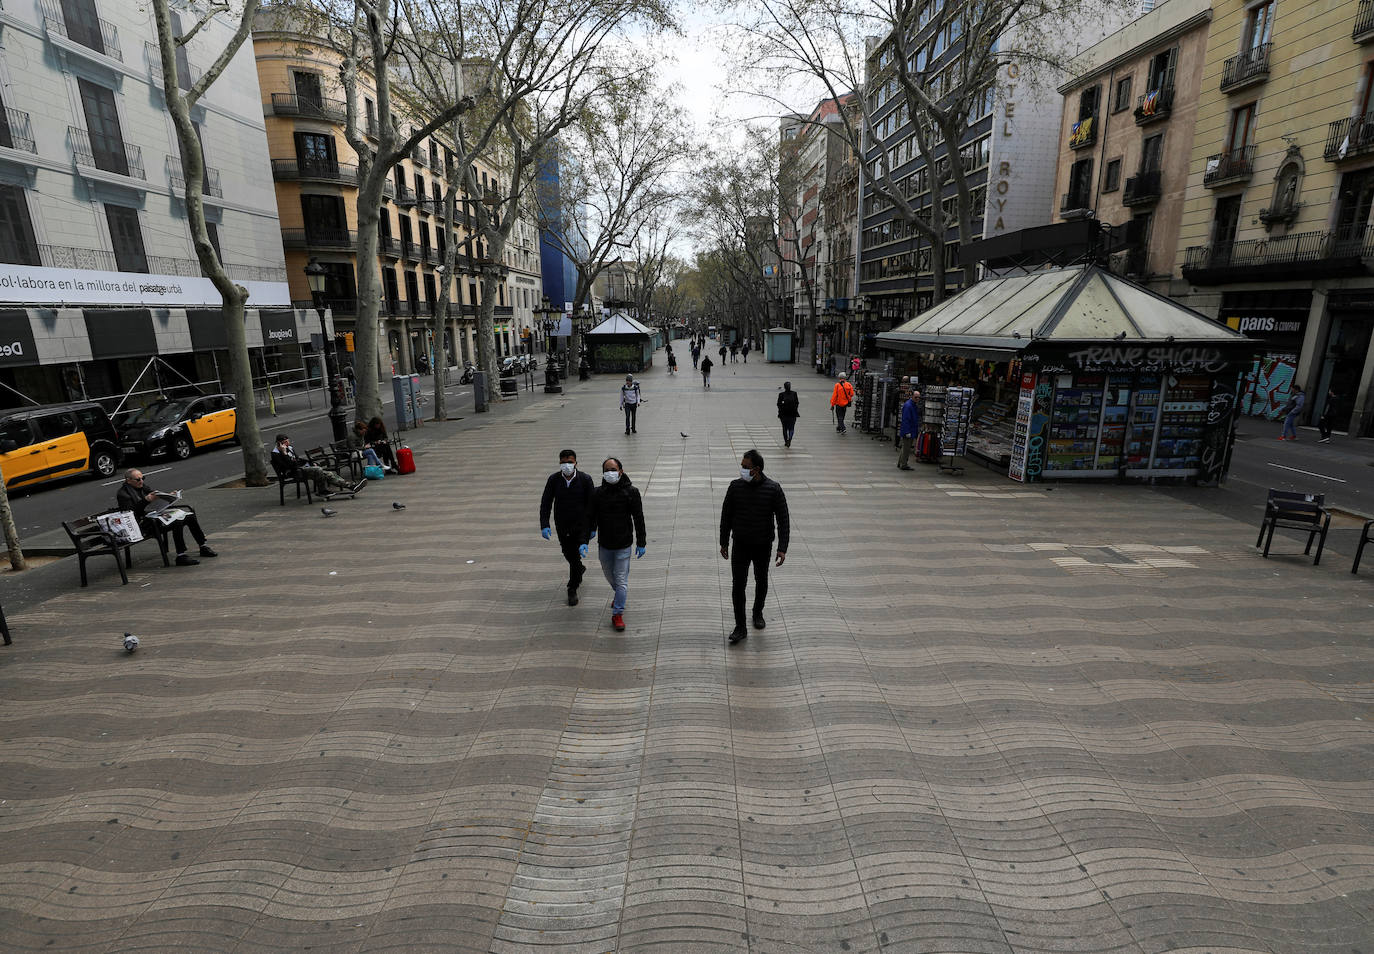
(983, 718)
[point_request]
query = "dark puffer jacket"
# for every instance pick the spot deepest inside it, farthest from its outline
(749, 511)
(617, 515)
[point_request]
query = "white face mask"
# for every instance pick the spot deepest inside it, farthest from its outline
(611, 476)
(746, 473)
(568, 468)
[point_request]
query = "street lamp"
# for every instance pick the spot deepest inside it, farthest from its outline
(316, 274)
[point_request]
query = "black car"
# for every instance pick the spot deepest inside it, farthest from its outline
(177, 426)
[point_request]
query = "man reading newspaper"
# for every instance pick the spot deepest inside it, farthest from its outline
(149, 505)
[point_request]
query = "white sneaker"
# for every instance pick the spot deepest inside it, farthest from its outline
(1324, 440)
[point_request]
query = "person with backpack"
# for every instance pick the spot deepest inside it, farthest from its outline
(706, 367)
(630, 399)
(788, 413)
(840, 399)
(617, 513)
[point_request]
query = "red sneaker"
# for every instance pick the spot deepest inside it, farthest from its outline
(618, 622)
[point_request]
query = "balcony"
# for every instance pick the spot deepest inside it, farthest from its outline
(319, 237)
(410, 251)
(1143, 188)
(1246, 69)
(340, 306)
(427, 206)
(16, 132)
(100, 37)
(388, 247)
(177, 175)
(1083, 134)
(417, 156)
(152, 53)
(388, 190)
(1363, 31)
(1349, 138)
(107, 155)
(287, 104)
(1298, 255)
(431, 255)
(317, 170)
(405, 199)
(103, 260)
(1075, 205)
(1229, 168)
(1154, 106)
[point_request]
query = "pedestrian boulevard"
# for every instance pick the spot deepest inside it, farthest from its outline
(983, 717)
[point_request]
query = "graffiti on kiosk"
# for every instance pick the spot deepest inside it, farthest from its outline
(1149, 358)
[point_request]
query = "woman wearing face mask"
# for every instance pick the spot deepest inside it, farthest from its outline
(617, 513)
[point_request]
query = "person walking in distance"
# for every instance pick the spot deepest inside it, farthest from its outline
(788, 413)
(617, 513)
(734, 353)
(745, 352)
(723, 352)
(672, 361)
(696, 355)
(630, 398)
(840, 399)
(753, 504)
(909, 429)
(1291, 411)
(706, 367)
(568, 495)
(1324, 423)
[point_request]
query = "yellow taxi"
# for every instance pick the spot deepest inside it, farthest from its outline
(178, 426)
(38, 444)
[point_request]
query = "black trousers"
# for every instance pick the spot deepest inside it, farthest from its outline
(569, 545)
(740, 559)
(179, 532)
(630, 411)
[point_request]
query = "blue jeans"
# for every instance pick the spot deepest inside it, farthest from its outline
(1290, 425)
(616, 565)
(789, 427)
(371, 457)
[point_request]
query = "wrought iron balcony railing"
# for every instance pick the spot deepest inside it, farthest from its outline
(1246, 69)
(1363, 30)
(1224, 168)
(1155, 105)
(103, 260)
(102, 37)
(1142, 188)
(1348, 138)
(323, 169)
(16, 132)
(210, 185)
(319, 237)
(288, 104)
(106, 154)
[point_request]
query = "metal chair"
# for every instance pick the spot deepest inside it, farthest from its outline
(1295, 511)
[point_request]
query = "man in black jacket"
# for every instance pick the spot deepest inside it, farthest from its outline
(752, 504)
(135, 495)
(568, 494)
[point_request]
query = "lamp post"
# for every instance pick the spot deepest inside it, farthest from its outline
(316, 274)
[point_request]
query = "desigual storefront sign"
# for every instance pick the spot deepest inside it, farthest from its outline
(16, 339)
(33, 285)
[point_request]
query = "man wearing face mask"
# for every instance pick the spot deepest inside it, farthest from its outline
(568, 494)
(753, 503)
(630, 399)
(617, 513)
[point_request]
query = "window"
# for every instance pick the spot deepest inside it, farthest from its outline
(1226, 220)
(1123, 95)
(102, 127)
(308, 88)
(412, 292)
(1080, 184)
(406, 233)
(1259, 24)
(338, 281)
(1161, 73)
(17, 432)
(324, 217)
(126, 235)
(370, 110)
(212, 230)
(83, 24)
(1152, 154)
(315, 154)
(1242, 127)
(1112, 182)
(18, 246)
(56, 425)
(431, 292)
(1087, 102)
(390, 289)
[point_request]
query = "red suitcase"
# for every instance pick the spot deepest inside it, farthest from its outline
(405, 461)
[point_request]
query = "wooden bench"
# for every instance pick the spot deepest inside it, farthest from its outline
(1366, 535)
(90, 540)
(1295, 511)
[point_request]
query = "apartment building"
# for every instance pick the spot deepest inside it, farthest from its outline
(1275, 238)
(815, 155)
(315, 172)
(1126, 135)
(98, 275)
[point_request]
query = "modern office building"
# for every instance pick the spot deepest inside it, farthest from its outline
(315, 171)
(98, 275)
(558, 271)
(1008, 152)
(1275, 239)
(1126, 135)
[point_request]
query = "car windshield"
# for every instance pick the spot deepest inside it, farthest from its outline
(159, 412)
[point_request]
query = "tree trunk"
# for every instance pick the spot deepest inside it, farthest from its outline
(16, 552)
(368, 397)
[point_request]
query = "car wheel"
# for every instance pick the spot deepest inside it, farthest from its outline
(181, 446)
(104, 461)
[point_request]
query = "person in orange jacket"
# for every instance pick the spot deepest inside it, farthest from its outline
(840, 399)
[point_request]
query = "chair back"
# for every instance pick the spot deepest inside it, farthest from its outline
(1292, 505)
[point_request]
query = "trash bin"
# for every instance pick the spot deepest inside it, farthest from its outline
(479, 391)
(405, 389)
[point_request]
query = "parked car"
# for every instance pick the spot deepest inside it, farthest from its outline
(39, 444)
(177, 426)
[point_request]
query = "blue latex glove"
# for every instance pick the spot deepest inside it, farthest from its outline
(582, 550)
(546, 533)
(639, 552)
(593, 536)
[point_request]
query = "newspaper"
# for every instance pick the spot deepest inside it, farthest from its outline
(165, 513)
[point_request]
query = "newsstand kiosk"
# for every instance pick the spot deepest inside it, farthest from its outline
(1115, 381)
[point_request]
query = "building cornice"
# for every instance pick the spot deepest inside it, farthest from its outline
(1138, 50)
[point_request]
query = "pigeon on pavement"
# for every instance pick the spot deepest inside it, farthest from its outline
(327, 512)
(130, 642)
(397, 506)
(684, 435)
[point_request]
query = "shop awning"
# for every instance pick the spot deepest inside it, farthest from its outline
(1001, 317)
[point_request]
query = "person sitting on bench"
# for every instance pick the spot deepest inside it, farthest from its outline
(135, 494)
(285, 455)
